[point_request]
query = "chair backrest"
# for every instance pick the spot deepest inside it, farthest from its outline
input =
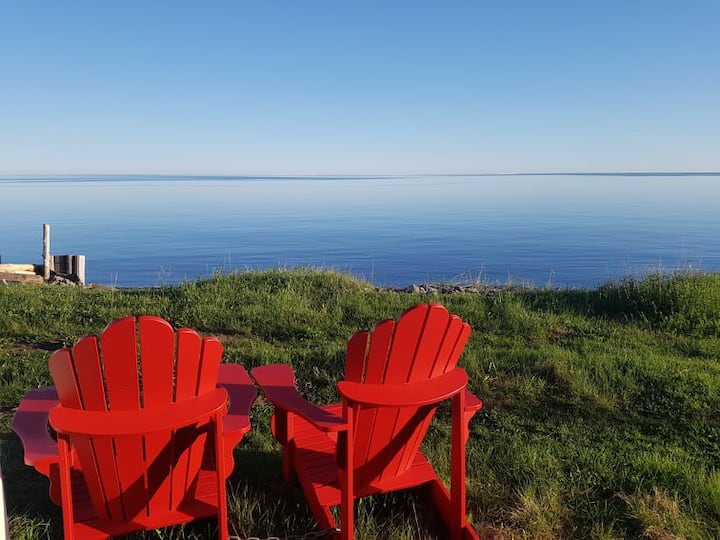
(424, 342)
(138, 366)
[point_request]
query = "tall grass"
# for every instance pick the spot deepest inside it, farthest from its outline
(601, 417)
(684, 302)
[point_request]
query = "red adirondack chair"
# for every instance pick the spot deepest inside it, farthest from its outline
(370, 442)
(144, 434)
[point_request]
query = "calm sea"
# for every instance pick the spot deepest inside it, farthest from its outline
(562, 230)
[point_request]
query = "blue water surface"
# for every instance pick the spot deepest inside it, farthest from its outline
(560, 230)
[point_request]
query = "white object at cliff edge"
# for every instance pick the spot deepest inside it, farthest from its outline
(4, 532)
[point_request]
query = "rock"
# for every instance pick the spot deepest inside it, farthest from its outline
(454, 288)
(63, 279)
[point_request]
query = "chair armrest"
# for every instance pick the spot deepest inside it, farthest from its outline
(277, 382)
(241, 393)
(408, 394)
(131, 423)
(30, 424)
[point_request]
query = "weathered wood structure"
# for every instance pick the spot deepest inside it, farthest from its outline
(21, 273)
(69, 267)
(72, 266)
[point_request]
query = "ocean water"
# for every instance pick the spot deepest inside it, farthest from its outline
(559, 230)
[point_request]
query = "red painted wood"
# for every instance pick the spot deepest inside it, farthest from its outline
(212, 351)
(377, 357)
(355, 356)
(405, 395)
(378, 353)
(185, 453)
(278, 384)
(241, 393)
(96, 458)
(157, 359)
(409, 367)
(88, 370)
(30, 425)
(428, 347)
(118, 348)
(61, 369)
(188, 354)
(119, 352)
(452, 333)
(459, 347)
(458, 519)
(408, 331)
(429, 362)
(116, 457)
(394, 427)
(69, 420)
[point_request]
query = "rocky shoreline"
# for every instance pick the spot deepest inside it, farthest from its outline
(445, 288)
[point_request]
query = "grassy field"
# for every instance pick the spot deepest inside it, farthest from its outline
(601, 418)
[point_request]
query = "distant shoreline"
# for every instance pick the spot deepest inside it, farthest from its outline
(90, 177)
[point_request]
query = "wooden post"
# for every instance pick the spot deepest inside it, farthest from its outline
(79, 267)
(70, 266)
(46, 252)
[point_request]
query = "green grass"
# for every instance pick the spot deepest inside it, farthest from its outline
(601, 418)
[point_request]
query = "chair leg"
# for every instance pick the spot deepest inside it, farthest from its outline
(346, 477)
(221, 486)
(324, 517)
(288, 459)
(282, 427)
(440, 497)
(458, 491)
(66, 487)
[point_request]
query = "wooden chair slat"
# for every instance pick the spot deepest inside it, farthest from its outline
(90, 378)
(377, 358)
(355, 355)
(157, 359)
(450, 339)
(99, 466)
(118, 349)
(188, 355)
(429, 343)
(61, 369)
(188, 358)
(212, 351)
(419, 421)
(159, 463)
(365, 429)
(119, 353)
(131, 469)
(408, 331)
(459, 347)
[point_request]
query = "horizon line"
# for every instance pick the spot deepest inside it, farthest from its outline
(355, 175)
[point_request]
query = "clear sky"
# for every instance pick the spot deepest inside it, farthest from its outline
(339, 87)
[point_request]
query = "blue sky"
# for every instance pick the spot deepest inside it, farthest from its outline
(334, 87)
